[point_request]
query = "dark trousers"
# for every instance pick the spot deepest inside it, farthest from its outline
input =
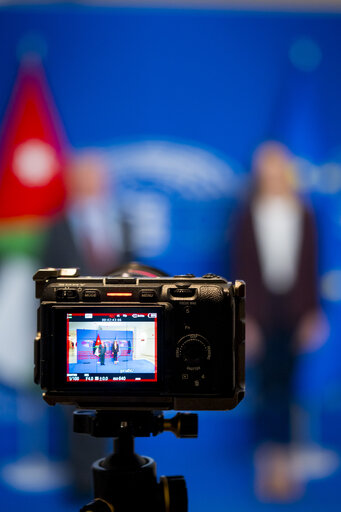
(275, 394)
(275, 373)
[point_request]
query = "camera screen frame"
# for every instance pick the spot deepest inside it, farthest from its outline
(59, 349)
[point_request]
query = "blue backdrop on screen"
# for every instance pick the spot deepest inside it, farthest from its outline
(178, 100)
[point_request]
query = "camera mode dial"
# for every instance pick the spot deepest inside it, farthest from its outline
(193, 350)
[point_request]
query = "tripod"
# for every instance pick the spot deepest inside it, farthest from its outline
(125, 481)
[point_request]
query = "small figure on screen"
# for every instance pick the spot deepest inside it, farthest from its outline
(115, 351)
(101, 353)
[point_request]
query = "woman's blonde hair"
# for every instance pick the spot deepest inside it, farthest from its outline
(276, 148)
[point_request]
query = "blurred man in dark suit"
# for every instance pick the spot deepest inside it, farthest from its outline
(92, 235)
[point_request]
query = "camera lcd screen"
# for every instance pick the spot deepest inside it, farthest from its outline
(119, 346)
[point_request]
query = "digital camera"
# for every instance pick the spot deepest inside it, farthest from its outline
(140, 343)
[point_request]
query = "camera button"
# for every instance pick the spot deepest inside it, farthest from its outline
(91, 295)
(182, 292)
(182, 285)
(66, 295)
(147, 295)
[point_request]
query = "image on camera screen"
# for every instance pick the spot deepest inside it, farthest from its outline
(112, 347)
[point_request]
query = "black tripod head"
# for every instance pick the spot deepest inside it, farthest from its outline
(125, 481)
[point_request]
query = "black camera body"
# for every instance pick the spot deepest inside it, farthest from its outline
(140, 343)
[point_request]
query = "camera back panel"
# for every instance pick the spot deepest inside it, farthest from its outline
(140, 343)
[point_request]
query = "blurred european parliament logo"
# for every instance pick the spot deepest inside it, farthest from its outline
(177, 197)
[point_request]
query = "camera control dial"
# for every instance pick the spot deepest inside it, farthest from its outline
(193, 351)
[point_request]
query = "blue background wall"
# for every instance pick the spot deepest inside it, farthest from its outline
(204, 87)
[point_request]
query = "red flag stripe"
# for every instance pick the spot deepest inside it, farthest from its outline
(32, 149)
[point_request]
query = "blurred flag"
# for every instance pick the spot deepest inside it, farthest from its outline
(31, 150)
(31, 192)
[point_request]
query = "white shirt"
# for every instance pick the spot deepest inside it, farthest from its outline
(97, 221)
(278, 230)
